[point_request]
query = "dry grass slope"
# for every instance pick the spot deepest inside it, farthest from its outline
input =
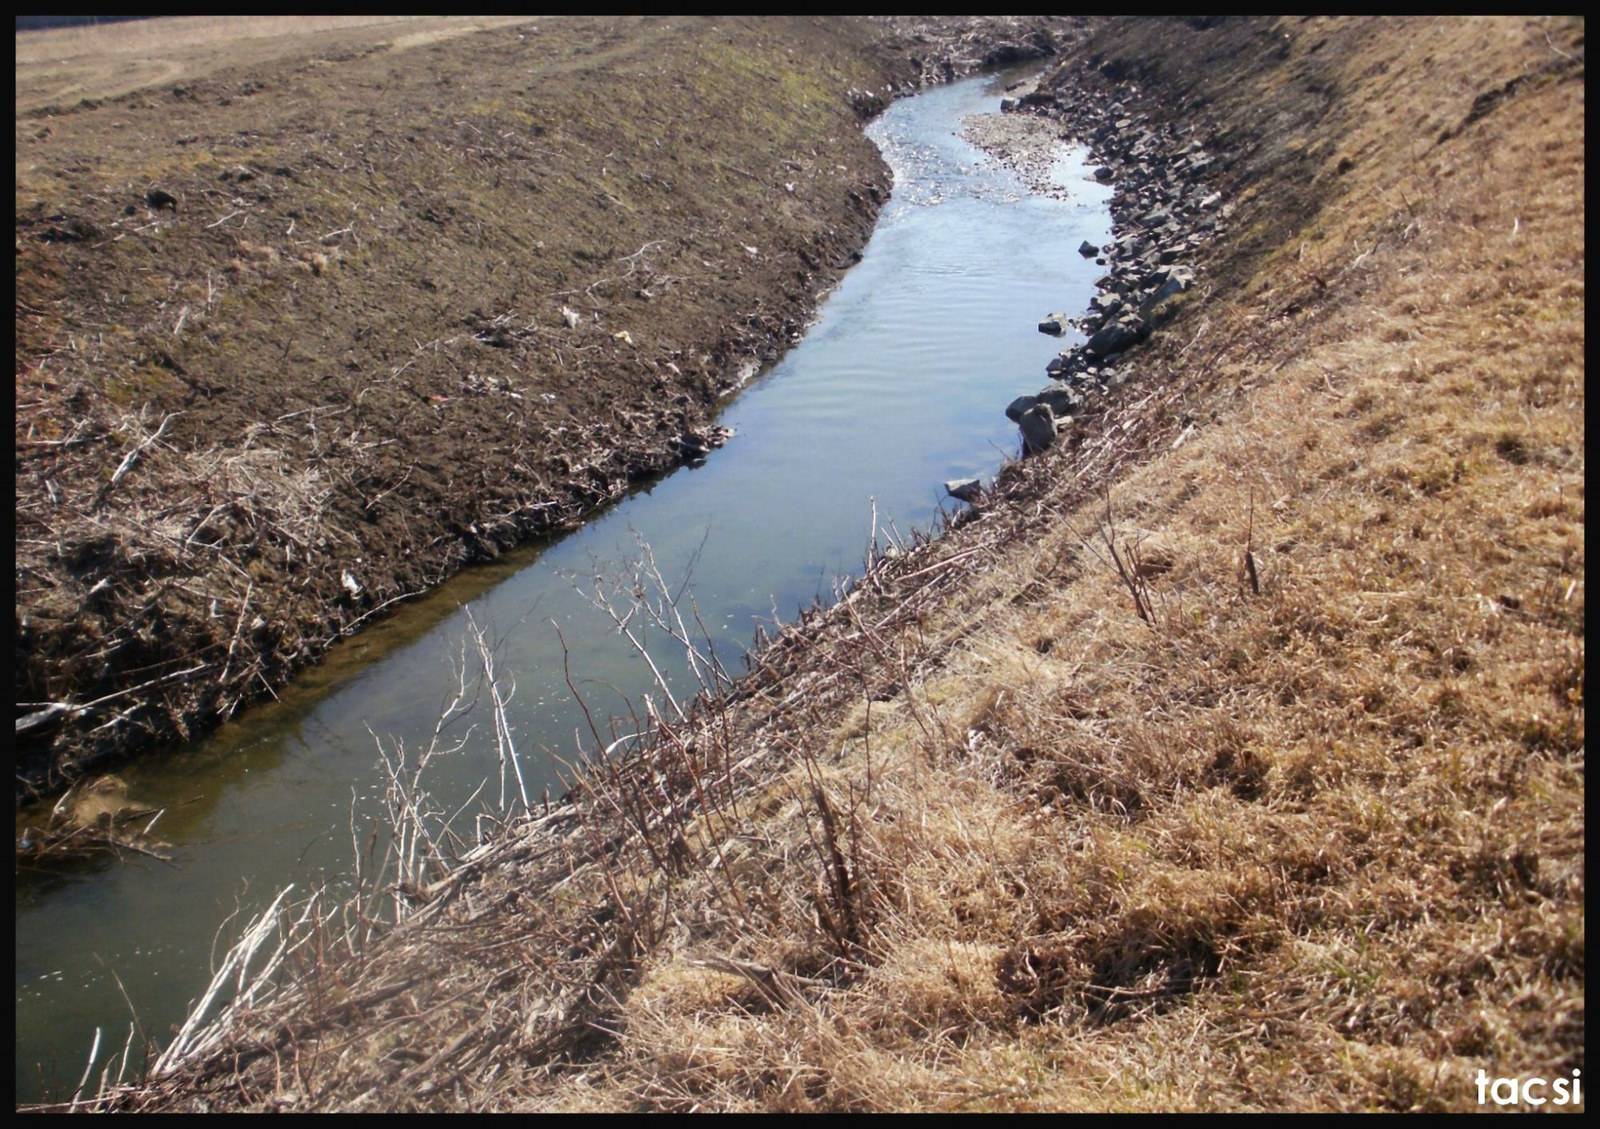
(61, 66)
(1310, 836)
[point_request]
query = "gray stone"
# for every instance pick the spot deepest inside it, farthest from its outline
(1114, 338)
(1107, 304)
(1088, 250)
(1103, 173)
(964, 489)
(1178, 280)
(1038, 427)
(1021, 404)
(1056, 324)
(1061, 401)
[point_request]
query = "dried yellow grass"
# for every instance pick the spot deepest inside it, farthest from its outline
(170, 33)
(59, 67)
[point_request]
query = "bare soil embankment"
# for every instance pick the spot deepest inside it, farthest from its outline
(1229, 755)
(314, 321)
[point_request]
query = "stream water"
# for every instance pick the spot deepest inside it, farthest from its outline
(899, 385)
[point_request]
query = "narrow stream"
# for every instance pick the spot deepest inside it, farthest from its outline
(899, 385)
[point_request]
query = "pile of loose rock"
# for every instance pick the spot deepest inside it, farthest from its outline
(1163, 209)
(943, 49)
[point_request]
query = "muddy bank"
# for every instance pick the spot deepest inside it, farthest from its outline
(295, 343)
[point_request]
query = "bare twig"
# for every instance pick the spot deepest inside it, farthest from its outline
(132, 456)
(1249, 547)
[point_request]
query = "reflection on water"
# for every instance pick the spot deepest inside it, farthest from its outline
(899, 386)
